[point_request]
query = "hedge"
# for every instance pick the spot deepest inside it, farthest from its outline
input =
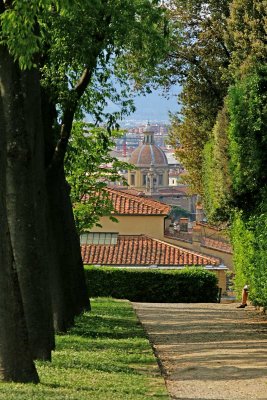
(189, 285)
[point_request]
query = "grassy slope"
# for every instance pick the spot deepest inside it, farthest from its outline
(106, 356)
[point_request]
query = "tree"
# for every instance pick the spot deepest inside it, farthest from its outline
(16, 360)
(56, 60)
(198, 60)
(222, 136)
(247, 31)
(216, 177)
(246, 108)
(89, 168)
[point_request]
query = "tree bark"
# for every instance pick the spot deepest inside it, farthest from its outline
(68, 287)
(16, 362)
(26, 199)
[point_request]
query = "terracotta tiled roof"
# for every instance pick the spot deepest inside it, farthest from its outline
(129, 190)
(206, 225)
(141, 250)
(174, 191)
(130, 204)
(217, 245)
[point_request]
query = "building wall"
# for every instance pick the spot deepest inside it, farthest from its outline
(134, 225)
(138, 180)
(221, 275)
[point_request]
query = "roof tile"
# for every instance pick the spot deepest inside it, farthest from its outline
(143, 250)
(217, 245)
(130, 204)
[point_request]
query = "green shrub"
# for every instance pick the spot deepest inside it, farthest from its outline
(190, 285)
(249, 239)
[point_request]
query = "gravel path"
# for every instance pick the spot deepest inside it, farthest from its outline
(208, 351)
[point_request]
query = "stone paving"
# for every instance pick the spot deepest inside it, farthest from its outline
(208, 351)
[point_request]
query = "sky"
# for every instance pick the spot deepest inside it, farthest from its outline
(153, 107)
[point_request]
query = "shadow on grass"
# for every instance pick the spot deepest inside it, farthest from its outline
(96, 326)
(105, 334)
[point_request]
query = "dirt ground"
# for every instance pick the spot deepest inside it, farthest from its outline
(208, 351)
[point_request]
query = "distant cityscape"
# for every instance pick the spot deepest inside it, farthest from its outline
(133, 137)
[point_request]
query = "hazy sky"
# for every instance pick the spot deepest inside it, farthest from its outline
(154, 106)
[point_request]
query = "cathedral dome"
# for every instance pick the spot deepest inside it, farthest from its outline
(148, 152)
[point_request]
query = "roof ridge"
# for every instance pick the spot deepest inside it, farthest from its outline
(130, 196)
(184, 249)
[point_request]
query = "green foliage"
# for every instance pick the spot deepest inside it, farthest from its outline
(106, 356)
(198, 60)
(120, 42)
(215, 169)
(247, 31)
(258, 270)
(248, 138)
(89, 167)
(23, 27)
(243, 246)
(221, 140)
(187, 138)
(249, 239)
(247, 108)
(166, 286)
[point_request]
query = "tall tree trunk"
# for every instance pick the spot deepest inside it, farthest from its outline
(26, 199)
(68, 287)
(16, 362)
(69, 292)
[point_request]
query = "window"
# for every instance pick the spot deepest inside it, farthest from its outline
(160, 179)
(98, 238)
(144, 179)
(132, 179)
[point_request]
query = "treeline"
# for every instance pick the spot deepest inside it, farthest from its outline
(221, 132)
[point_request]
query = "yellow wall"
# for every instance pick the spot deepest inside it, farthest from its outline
(221, 275)
(134, 225)
(139, 172)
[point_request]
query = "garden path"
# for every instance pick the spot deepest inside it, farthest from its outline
(208, 351)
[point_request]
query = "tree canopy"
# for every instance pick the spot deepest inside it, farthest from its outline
(222, 136)
(198, 60)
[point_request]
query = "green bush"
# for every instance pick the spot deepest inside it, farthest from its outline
(249, 239)
(190, 285)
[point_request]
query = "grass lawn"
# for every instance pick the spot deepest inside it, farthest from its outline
(106, 356)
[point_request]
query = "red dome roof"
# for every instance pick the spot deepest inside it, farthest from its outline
(147, 154)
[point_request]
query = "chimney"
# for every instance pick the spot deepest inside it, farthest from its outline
(199, 213)
(183, 222)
